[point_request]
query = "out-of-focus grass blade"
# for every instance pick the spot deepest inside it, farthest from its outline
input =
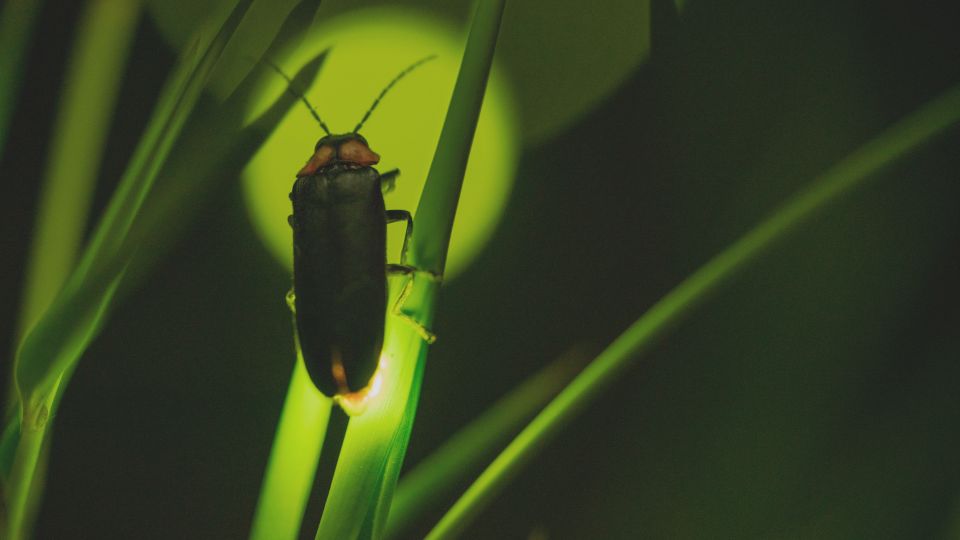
(435, 477)
(293, 459)
(61, 335)
(213, 149)
(17, 19)
(44, 354)
(376, 441)
(887, 147)
(86, 107)
(90, 91)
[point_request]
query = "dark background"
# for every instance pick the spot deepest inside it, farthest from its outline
(814, 397)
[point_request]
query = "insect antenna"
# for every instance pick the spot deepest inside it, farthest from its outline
(387, 88)
(302, 98)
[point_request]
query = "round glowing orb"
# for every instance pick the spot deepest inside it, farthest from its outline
(368, 49)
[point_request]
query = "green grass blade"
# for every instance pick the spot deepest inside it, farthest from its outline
(293, 460)
(17, 19)
(153, 225)
(62, 334)
(86, 107)
(45, 353)
(437, 475)
(244, 144)
(890, 145)
(375, 442)
(438, 203)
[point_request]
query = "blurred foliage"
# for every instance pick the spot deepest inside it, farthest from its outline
(592, 49)
(815, 398)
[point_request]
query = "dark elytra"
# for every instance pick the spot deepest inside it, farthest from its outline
(339, 241)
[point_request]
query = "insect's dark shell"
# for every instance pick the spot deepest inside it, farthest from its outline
(339, 242)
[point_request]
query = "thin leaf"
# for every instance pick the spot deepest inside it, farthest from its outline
(293, 460)
(892, 144)
(375, 443)
(86, 107)
(45, 354)
(63, 333)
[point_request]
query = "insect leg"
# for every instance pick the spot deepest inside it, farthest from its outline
(388, 181)
(398, 215)
(397, 308)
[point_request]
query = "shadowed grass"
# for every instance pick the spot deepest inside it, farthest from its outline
(851, 172)
(51, 349)
(56, 342)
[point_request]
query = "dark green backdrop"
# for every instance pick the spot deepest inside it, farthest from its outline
(814, 398)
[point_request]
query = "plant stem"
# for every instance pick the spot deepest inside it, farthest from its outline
(376, 441)
(90, 91)
(33, 428)
(890, 145)
(293, 459)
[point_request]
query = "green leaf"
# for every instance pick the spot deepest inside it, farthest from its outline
(56, 342)
(895, 142)
(293, 459)
(72, 167)
(375, 443)
(61, 335)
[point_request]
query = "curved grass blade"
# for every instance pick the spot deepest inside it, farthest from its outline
(218, 149)
(17, 19)
(44, 353)
(851, 172)
(86, 107)
(437, 475)
(60, 336)
(376, 441)
(148, 232)
(293, 459)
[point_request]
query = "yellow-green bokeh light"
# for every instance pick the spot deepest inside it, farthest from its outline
(367, 49)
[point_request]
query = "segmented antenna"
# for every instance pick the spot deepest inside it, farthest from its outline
(303, 98)
(399, 76)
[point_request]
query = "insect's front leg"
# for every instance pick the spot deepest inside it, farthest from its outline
(388, 181)
(407, 270)
(397, 308)
(394, 216)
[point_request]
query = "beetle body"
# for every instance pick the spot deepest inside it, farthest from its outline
(340, 265)
(339, 226)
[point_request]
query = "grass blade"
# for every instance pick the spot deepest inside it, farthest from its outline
(435, 477)
(90, 91)
(438, 203)
(56, 342)
(45, 353)
(293, 459)
(376, 441)
(851, 172)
